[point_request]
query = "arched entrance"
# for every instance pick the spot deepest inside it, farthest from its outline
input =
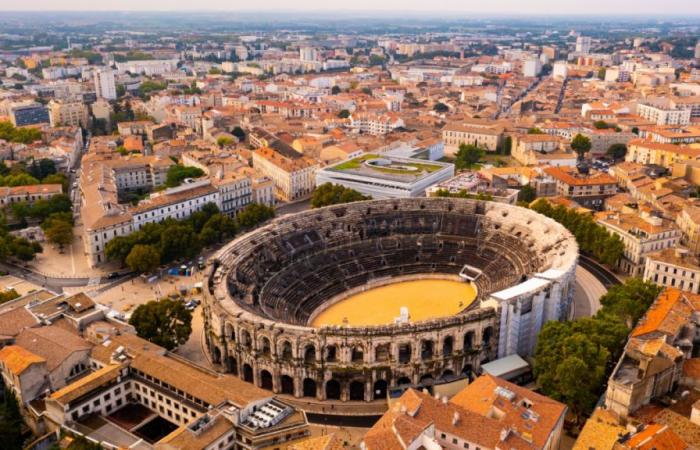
(403, 381)
(287, 384)
(332, 390)
(231, 365)
(266, 380)
(216, 355)
(309, 388)
(379, 390)
(357, 390)
(247, 373)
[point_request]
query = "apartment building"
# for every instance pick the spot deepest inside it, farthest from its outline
(674, 267)
(294, 178)
(688, 221)
(68, 113)
(105, 85)
(489, 138)
(490, 413)
(647, 152)
(175, 203)
(375, 124)
(664, 114)
(656, 352)
(642, 234)
(235, 192)
(541, 149)
(29, 194)
(148, 67)
(139, 173)
(29, 114)
(587, 189)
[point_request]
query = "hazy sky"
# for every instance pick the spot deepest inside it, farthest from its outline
(590, 7)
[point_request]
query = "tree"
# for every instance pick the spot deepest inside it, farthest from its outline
(143, 258)
(335, 90)
(224, 141)
(581, 145)
(333, 194)
(254, 214)
(343, 114)
(10, 422)
(601, 125)
(164, 322)
(218, 228)
(467, 156)
(7, 295)
(58, 232)
(177, 173)
(179, 240)
(119, 248)
(630, 301)
(527, 194)
(617, 151)
(601, 73)
(441, 107)
(238, 132)
(535, 130)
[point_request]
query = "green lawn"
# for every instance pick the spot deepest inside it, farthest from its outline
(356, 163)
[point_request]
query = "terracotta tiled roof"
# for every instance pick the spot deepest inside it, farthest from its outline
(18, 359)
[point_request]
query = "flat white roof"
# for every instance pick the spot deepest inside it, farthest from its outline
(526, 287)
(503, 366)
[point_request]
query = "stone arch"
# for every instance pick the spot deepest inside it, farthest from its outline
(230, 332)
(266, 380)
(382, 353)
(468, 343)
(357, 390)
(287, 385)
(248, 373)
(310, 354)
(486, 336)
(447, 373)
(286, 352)
(231, 365)
(246, 340)
(309, 387)
(448, 346)
(427, 379)
(265, 347)
(379, 390)
(403, 381)
(426, 349)
(216, 355)
(358, 354)
(332, 390)
(404, 353)
(331, 353)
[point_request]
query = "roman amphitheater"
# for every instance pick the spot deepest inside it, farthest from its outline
(344, 302)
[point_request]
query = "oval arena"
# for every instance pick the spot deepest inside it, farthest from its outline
(266, 288)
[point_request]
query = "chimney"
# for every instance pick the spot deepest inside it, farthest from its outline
(455, 418)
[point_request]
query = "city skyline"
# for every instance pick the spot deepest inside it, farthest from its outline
(395, 7)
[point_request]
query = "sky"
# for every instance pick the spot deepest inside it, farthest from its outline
(535, 7)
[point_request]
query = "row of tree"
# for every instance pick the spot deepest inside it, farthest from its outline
(573, 359)
(160, 243)
(10, 133)
(593, 239)
(333, 194)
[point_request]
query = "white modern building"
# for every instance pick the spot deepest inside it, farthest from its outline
(583, 44)
(385, 176)
(105, 86)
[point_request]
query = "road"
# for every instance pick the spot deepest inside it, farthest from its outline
(607, 278)
(292, 208)
(587, 295)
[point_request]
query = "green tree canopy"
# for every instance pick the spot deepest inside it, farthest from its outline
(143, 258)
(467, 156)
(333, 194)
(617, 151)
(254, 214)
(58, 231)
(164, 322)
(177, 173)
(581, 144)
(441, 107)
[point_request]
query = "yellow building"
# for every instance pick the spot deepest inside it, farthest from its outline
(665, 155)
